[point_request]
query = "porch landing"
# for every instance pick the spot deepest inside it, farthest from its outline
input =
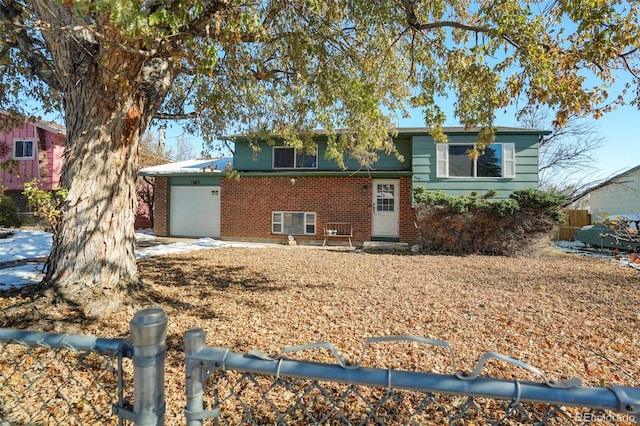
(378, 246)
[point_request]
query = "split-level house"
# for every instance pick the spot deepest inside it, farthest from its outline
(279, 193)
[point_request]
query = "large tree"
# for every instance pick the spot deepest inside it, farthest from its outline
(285, 66)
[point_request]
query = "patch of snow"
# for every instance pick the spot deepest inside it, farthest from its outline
(20, 275)
(145, 235)
(181, 247)
(25, 244)
(32, 244)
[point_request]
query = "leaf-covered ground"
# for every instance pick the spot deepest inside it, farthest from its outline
(568, 316)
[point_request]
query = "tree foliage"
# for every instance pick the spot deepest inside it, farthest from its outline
(286, 67)
(45, 204)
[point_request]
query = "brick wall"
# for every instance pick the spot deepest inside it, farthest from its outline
(247, 204)
(161, 206)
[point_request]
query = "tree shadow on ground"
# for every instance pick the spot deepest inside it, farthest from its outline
(189, 283)
(34, 307)
(187, 271)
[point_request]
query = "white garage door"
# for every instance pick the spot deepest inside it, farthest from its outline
(195, 211)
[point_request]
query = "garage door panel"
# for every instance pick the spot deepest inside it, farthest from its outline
(195, 211)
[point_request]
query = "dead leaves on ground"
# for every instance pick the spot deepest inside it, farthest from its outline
(567, 316)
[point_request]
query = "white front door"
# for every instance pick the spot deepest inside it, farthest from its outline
(386, 215)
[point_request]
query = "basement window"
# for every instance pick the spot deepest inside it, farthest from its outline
(293, 223)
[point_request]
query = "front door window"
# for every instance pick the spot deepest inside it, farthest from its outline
(386, 198)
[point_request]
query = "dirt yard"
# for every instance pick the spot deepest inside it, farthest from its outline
(566, 315)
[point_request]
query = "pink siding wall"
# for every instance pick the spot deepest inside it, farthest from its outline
(55, 151)
(45, 165)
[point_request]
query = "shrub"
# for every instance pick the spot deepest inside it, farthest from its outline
(475, 224)
(45, 204)
(9, 213)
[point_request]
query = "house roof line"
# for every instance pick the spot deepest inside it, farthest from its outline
(422, 130)
(189, 167)
(43, 124)
(610, 180)
(52, 127)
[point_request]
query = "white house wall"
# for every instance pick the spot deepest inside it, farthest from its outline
(622, 196)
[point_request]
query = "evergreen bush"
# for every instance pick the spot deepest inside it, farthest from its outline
(9, 216)
(476, 224)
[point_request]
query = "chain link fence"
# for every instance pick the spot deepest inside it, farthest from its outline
(59, 379)
(56, 379)
(229, 388)
(248, 398)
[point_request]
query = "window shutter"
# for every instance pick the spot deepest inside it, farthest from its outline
(442, 160)
(508, 160)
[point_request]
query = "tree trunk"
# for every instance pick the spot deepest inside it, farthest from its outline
(109, 102)
(93, 257)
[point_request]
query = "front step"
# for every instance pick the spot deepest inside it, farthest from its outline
(383, 246)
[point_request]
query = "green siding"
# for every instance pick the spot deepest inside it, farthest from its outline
(245, 159)
(419, 151)
(194, 180)
(424, 166)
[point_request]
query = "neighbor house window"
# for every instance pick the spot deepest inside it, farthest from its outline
(288, 157)
(22, 149)
(293, 223)
(496, 160)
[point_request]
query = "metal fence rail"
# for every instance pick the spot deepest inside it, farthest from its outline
(48, 378)
(256, 389)
(66, 379)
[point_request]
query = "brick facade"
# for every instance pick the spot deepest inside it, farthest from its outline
(161, 206)
(247, 204)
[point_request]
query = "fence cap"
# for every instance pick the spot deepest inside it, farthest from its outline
(149, 326)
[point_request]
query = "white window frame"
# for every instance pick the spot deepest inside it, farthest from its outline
(295, 156)
(309, 220)
(508, 161)
(24, 157)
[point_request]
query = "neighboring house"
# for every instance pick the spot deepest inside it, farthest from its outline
(617, 196)
(33, 150)
(279, 192)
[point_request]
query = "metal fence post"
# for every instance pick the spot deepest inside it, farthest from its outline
(193, 342)
(148, 333)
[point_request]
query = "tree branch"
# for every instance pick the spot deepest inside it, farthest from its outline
(11, 14)
(168, 116)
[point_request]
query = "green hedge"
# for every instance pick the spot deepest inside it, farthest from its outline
(476, 224)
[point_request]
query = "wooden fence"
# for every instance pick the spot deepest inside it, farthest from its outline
(574, 220)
